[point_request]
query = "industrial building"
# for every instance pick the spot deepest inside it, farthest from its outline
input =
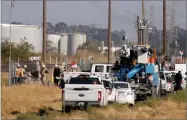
(54, 39)
(67, 43)
(74, 41)
(63, 44)
(31, 33)
(114, 48)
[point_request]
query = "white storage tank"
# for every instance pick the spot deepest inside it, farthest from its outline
(84, 38)
(31, 33)
(63, 44)
(54, 39)
(74, 40)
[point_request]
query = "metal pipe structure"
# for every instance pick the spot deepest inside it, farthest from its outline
(109, 31)
(44, 30)
(143, 42)
(164, 27)
(10, 38)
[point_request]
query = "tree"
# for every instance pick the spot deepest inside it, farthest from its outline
(50, 48)
(61, 27)
(18, 23)
(50, 28)
(23, 50)
(91, 45)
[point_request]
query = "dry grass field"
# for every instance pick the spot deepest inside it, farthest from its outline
(27, 100)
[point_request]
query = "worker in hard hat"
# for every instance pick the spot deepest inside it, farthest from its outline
(56, 73)
(38, 69)
(24, 69)
(125, 51)
(19, 73)
(44, 73)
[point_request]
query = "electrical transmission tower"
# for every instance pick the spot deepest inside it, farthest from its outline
(145, 37)
(171, 47)
(152, 39)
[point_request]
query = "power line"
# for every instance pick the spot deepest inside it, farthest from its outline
(115, 15)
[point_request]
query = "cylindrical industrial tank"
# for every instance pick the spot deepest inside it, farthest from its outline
(74, 40)
(54, 39)
(31, 33)
(84, 38)
(62, 44)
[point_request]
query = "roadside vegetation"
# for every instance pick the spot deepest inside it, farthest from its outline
(36, 102)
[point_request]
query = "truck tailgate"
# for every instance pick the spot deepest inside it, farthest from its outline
(91, 95)
(82, 92)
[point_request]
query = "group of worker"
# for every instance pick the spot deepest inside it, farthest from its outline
(20, 73)
(40, 73)
(37, 74)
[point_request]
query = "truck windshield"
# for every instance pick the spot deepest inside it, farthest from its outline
(109, 69)
(121, 85)
(99, 68)
(107, 84)
(78, 80)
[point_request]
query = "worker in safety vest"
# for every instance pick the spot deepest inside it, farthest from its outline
(19, 74)
(24, 70)
(44, 73)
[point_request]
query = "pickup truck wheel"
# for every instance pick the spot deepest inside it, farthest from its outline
(67, 109)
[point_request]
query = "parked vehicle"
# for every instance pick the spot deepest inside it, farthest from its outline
(108, 84)
(164, 84)
(170, 78)
(81, 92)
(97, 69)
(124, 93)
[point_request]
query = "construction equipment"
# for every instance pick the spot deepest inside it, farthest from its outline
(135, 72)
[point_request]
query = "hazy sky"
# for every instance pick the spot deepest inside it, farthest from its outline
(89, 12)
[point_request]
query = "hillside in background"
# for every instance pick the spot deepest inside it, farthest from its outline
(178, 34)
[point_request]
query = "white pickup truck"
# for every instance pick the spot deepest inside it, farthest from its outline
(84, 91)
(96, 69)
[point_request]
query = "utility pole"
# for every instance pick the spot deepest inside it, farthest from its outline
(44, 30)
(164, 27)
(138, 27)
(143, 10)
(109, 31)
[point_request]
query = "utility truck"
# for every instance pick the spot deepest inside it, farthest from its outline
(83, 91)
(101, 70)
(137, 72)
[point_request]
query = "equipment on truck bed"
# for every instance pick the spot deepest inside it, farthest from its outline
(136, 69)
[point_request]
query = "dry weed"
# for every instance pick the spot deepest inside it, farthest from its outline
(31, 98)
